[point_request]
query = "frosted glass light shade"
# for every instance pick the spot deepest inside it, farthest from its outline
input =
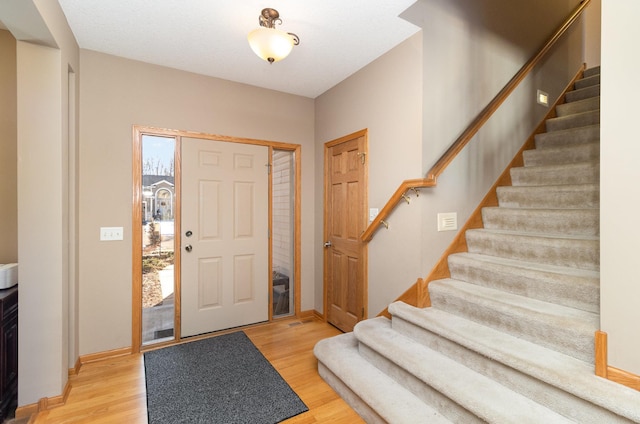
(270, 44)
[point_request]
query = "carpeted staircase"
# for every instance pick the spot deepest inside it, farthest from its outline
(509, 338)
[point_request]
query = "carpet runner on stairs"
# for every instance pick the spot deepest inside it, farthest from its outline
(509, 338)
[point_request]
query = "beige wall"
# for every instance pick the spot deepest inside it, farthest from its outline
(45, 52)
(619, 176)
(471, 50)
(416, 99)
(592, 34)
(118, 93)
(386, 98)
(8, 153)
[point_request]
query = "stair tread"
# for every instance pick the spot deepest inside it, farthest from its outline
(552, 211)
(544, 220)
(394, 403)
(567, 330)
(578, 119)
(583, 320)
(534, 235)
(558, 187)
(568, 136)
(588, 81)
(563, 371)
(595, 70)
(566, 195)
(544, 175)
(568, 153)
(569, 130)
(591, 103)
(551, 168)
(565, 148)
(409, 354)
(566, 286)
(532, 266)
(582, 93)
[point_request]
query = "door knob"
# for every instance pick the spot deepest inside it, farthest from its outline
(327, 243)
(188, 248)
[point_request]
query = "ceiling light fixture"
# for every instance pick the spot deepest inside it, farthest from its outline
(269, 43)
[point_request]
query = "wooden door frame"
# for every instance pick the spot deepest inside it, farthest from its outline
(325, 234)
(136, 236)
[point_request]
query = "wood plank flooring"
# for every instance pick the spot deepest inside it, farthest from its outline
(113, 390)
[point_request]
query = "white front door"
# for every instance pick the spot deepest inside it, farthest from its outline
(224, 240)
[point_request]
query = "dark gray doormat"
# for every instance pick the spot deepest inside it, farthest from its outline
(223, 379)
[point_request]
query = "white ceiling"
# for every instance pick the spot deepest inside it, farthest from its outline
(209, 37)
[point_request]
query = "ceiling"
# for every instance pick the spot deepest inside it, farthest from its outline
(337, 37)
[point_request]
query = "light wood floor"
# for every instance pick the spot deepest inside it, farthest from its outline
(113, 390)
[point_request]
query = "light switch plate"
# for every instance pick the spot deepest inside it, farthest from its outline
(373, 212)
(111, 233)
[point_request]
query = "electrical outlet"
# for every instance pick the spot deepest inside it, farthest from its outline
(111, 233)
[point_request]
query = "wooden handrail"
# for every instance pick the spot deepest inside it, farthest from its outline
(436, 170)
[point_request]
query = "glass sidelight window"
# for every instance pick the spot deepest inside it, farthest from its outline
(282, 232)
(158, 246)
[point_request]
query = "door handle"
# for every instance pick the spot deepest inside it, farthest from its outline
(188, 233)
(327, 243)
(188, 248)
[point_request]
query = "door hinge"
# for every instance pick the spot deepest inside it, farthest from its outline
(362, 156)
(269, 234)
(268, 168)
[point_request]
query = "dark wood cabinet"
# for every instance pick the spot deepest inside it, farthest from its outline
(8, 349)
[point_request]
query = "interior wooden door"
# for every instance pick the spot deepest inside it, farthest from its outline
(345, 261)
(224, 240)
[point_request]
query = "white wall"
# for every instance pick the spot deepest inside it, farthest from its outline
(619, 176)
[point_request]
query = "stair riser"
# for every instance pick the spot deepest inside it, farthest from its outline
(573, 291)
(574, 253)
(566, 138)
(586, 173)
(579, 106)
(591, 71)
(554, 398)
(584, 93)
(573, 121)
(519, 323)
(549, 197)
(544, 157)
(423, 391)
(587, 81)
(354, 401)
(545, 221)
